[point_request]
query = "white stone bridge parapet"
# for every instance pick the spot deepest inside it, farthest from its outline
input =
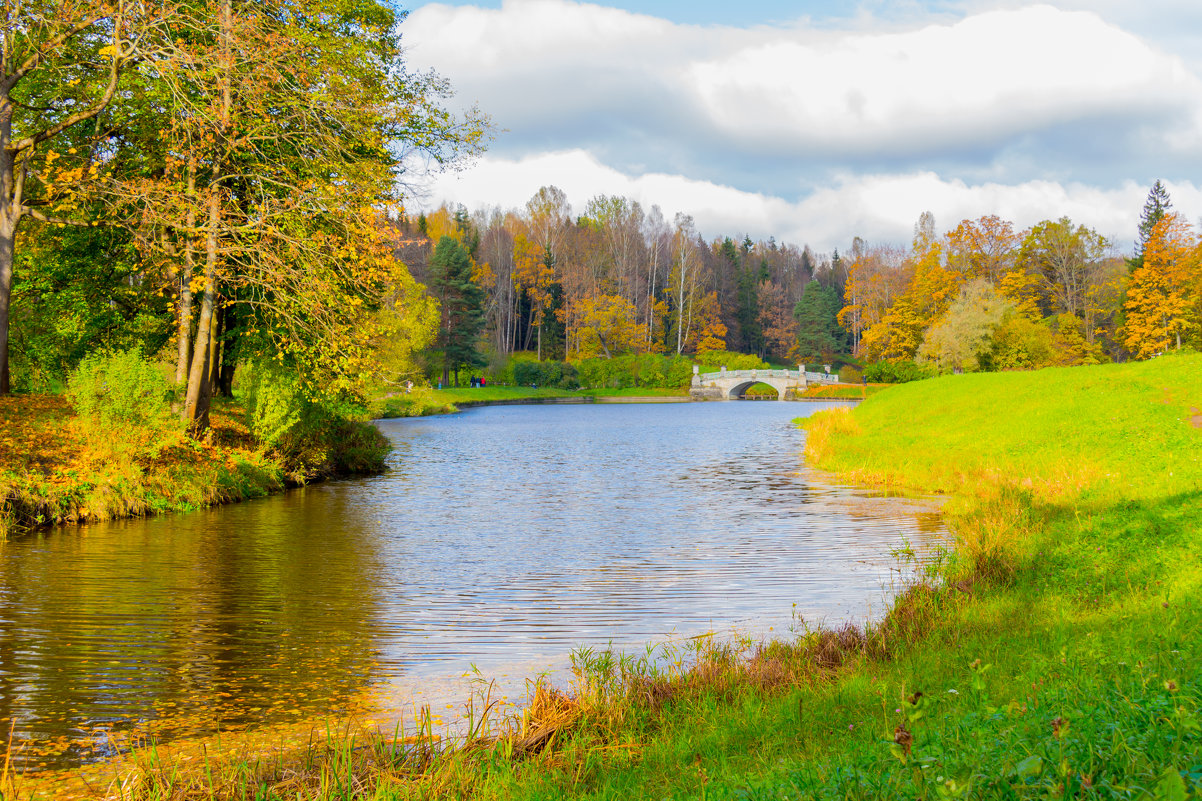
(730, 384)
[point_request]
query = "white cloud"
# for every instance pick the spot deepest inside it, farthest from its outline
(988, 77)
(816, 135)
(875, 207)
(540, 64)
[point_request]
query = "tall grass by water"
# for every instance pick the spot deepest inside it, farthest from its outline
(1054, 652)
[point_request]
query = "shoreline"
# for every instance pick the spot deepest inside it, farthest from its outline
(55, 477)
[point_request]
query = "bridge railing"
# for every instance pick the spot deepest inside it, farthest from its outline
(744, 375)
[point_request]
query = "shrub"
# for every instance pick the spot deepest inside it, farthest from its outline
(546, 374)
(123, 401)
(850, 375)
(313, 436)
(898, 372)
(717, 359)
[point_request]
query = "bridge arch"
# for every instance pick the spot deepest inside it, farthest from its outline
(727, 384)
(738, 389)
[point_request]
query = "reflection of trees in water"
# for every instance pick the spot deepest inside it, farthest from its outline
(180, 625)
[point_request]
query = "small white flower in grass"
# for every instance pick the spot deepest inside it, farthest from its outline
(954, 691)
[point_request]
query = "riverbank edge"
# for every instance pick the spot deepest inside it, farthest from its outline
(434, 403)
(184, 475)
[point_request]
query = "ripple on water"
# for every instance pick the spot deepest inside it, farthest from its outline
(501, 537)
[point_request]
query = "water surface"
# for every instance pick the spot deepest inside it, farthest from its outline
(501, 537)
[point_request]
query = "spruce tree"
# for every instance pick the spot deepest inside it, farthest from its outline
(462, 301)
(818, 334)
(1155, 208)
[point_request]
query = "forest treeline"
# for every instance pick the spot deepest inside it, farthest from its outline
(618, 279)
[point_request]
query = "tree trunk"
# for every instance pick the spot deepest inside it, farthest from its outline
(8, 231)
(216, 348)
(195, 402)
(10, 215)
(185, 285)
(225, 382)
(224, 375)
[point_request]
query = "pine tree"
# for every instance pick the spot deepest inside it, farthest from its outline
(462, 301)
(818, 335)
(1155, 208)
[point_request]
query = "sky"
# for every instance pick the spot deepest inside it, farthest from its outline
(817, 122)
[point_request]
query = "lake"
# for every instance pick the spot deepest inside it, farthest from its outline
(502, 538)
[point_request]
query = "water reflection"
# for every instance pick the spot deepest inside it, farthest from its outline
(502, 537)
(180, 625)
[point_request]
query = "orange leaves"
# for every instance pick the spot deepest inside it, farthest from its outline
(534, 272)
(1163, 296)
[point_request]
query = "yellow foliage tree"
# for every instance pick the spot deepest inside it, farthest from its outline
(1162, 297)
(899, 333)
(709, 332)
(534, 272)
(608, 324)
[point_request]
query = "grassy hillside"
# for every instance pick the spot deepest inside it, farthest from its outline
(1083, 432)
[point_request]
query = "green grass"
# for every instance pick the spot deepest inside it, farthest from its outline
(845, 391)
(427, 401)
(1057, 649)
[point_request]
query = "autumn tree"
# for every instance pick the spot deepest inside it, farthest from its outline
(288, 130)
(707, 332)
(1161, 305)
(683, 280)
(929, 289)
(776, 320)
(962, 340)
(876, 276)
(61, 64)
(1066, 258)
(608, 325)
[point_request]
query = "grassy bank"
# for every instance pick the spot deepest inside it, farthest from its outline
(844, 391)
(54, 469)
(424, 402)
(1055, 654)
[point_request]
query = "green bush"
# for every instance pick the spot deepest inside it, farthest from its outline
(313, 436)
(273, 403)
(850, 375)
(717, 359)
(562, 375)
(898, 372)
(123, 400)
(657, 370)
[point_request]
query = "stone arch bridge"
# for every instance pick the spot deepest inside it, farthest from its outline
(730, 384)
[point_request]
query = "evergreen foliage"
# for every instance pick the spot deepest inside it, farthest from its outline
(1156, 207)
(819, 333)
(462, 301)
